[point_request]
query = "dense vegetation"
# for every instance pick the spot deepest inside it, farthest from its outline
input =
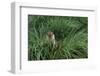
(71, 35)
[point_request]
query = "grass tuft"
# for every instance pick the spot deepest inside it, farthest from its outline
(70, 33)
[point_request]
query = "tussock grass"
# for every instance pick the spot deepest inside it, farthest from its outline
(71, 37)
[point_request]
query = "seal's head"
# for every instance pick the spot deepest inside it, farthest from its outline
(50, 34)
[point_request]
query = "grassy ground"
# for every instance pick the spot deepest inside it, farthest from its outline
(71, 34)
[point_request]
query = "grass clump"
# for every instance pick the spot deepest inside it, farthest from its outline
(71, 35)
